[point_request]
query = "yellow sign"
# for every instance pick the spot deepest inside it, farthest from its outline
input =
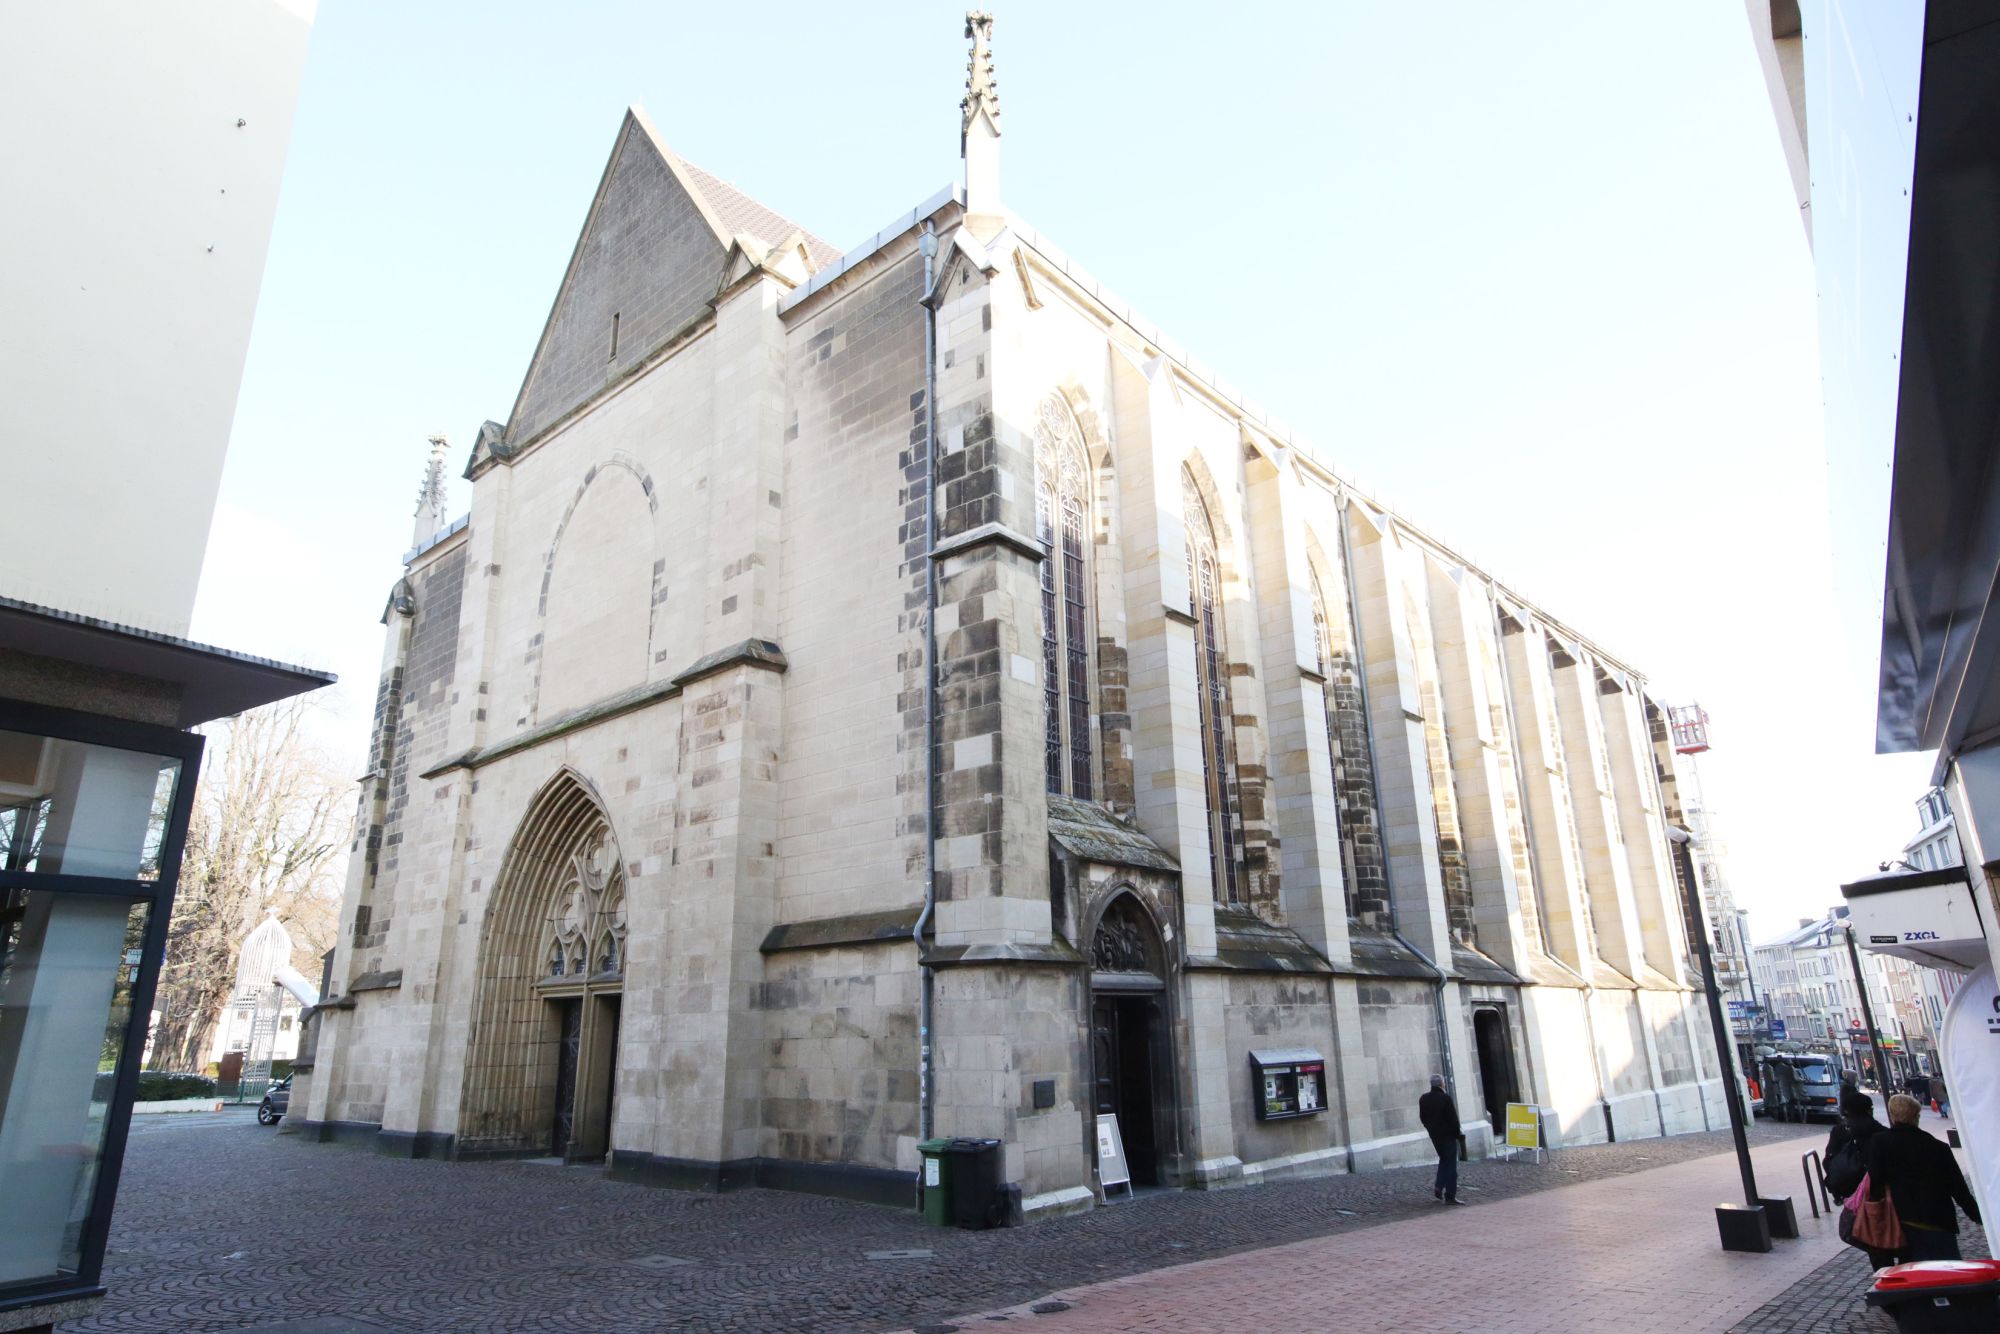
(1524, 1126)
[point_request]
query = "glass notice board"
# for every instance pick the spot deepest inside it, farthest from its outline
(1287, 1083)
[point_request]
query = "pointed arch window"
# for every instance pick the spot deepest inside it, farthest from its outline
(1330, 693)
(1212, 672)
(1062, 522)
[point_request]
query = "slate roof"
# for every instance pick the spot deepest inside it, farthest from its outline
(1470, 963)
(1376, 954)
(1096, 835)
(1246, 941)
(742, 214)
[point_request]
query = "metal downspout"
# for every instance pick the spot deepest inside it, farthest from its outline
(1381, 815)
(926, 1112)
(1340, 1081)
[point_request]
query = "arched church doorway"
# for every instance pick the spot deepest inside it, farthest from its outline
(1131, 1054)
(1496, 1064)
(542, 1066)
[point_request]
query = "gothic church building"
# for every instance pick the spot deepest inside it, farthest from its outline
(896, 693)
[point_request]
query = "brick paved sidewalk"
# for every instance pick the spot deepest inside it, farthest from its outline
(1629, 1254)
(226, 1225)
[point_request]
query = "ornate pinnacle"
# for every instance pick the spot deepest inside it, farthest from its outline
(430, 495)
(980, 91)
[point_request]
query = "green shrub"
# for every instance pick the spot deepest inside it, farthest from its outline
(159, 1086)
(156, 1086)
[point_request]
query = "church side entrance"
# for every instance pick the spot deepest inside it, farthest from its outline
(1130, 1051)
(1496, 1064)
(1122, 1029)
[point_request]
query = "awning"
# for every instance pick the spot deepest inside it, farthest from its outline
(213, 682)
(1928, 917)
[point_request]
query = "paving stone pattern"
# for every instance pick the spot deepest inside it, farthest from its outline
(1833, 1298)
(227, 1225)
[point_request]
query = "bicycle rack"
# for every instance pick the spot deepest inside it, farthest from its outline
(1815, 1171)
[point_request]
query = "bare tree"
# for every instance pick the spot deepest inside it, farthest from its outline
(269, 829)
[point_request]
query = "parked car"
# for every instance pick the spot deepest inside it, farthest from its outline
(276, 1100)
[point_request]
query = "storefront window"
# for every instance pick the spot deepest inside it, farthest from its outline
(71, 808)
(67, 967)
(93, 814)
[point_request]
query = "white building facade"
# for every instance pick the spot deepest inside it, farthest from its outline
(142, 155)
(157, 158)
(1808, 981)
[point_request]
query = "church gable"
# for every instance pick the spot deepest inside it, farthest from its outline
(647, 263)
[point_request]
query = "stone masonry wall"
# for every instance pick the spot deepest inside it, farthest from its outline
(1396, 1052)
(841, 1083)
(419, 717)
(851, 606)
(649, 259)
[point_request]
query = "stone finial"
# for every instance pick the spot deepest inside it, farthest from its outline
(981, 93)
(979, 132)
(430, 496)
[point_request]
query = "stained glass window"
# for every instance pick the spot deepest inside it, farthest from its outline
(1323, 658)
(1212, 671)
(1062, 522)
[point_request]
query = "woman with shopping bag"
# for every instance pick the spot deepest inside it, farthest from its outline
(1905, 1204)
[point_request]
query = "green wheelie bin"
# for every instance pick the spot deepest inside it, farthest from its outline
(936, 1181)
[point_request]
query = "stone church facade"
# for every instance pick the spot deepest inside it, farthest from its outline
(900, 693)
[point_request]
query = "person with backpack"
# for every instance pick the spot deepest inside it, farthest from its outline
(1847, 1144)
(1846, 1160)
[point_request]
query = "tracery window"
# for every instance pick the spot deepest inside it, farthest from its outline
(1062, 522)
(585, 935)
(1323, 658)
(1212, 671)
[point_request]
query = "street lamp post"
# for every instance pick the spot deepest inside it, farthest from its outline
(1868, 1015)
(1751, 1225)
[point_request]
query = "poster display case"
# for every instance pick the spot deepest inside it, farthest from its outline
(1287, 1082)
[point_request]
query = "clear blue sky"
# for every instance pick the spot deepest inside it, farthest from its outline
(1532, 273)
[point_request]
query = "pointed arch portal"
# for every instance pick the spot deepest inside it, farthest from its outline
(1131, 1045)
(544, 1042)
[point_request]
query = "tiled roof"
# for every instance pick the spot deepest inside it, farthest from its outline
(742, 214)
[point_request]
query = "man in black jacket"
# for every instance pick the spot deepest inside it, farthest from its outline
(1440, 1117)
(1923, 1181)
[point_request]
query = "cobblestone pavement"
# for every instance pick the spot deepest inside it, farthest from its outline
(223, 1224)
(1832, 1299)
